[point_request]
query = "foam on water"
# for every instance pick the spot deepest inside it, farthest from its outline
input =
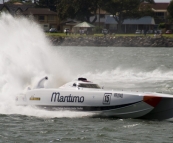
(134, 80)
(130, 75)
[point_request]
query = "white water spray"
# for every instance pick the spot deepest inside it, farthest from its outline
(26, 55)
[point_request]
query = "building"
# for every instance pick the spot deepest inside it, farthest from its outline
(106, 20)
(100, 18)
(130, 25)
(68, 24)
(47, 18)
(161, 13)
(14, 9)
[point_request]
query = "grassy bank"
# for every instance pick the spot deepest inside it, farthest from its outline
(116, 35)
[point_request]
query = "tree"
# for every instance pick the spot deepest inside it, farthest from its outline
(51, 4)
(78, 9)
(170, 10)
(123, 9)
(65, 9)
(161, 26)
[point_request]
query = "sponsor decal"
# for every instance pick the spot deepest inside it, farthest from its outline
(118, 95)
(34, 98)
(56, 97)
(68, 108)
(107, 98)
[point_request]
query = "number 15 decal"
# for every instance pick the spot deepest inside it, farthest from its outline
(107, 98)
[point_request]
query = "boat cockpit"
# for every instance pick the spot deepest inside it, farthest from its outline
(81, 83)
(86, 85)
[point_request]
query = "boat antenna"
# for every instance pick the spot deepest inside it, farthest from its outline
(41, 82)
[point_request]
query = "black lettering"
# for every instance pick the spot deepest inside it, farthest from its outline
(54, 96)
(75, 98)
(81, 99)
(107, 98)
(118, 95)
(58, 97)
(62, 99)
(70, 98)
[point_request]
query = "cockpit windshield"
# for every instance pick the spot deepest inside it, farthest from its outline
(89, 85)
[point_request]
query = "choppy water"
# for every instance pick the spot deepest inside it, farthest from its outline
(26, 55)
(17, 128)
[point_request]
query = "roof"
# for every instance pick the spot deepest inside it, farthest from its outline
(39, 11)
(84, 24)
(12, 8)
(18, 3)
(147, 20)
(101, 11)
(70, 22)
(160, 6)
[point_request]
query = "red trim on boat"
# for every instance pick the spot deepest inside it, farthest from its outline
(152, 100)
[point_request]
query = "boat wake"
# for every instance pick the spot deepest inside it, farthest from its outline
(134, 80)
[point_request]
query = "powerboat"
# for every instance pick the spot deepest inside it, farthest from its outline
(84, 95)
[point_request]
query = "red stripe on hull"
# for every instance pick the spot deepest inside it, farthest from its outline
(152, 100)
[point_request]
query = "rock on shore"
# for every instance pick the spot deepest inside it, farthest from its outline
(114, 41)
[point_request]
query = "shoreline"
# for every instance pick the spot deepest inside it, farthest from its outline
(113, 41)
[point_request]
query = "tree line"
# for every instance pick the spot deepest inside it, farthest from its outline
(82, 10)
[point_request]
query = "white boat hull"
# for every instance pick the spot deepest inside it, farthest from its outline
(120, 104)
(102, 102)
